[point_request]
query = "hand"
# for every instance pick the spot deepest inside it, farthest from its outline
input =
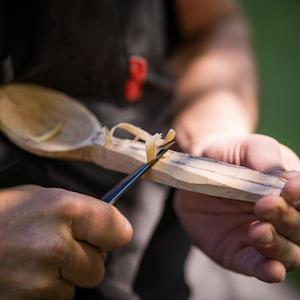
(53, 240)
(261, 240)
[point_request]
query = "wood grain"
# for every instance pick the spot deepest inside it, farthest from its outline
(29, 110)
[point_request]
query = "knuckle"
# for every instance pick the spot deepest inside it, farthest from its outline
(49, 197)
(31, 187)
(20, 192)
(59, 194)
(58, 251)
(64, 202)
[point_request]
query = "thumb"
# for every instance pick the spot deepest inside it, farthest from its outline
(261, 153)
(254, 151)
(290, 159)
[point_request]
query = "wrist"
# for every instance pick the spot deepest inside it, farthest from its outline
(218, 114)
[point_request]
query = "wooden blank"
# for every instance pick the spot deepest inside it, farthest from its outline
(28, 111)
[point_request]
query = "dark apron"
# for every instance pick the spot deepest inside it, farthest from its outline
(83, 48)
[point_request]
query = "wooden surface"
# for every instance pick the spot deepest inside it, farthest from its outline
(27, 113)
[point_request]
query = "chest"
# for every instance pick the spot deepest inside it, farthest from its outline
(83, 47)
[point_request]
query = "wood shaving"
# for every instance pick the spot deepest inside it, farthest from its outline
(152, 142)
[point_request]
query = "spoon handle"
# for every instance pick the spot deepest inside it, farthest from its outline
(190, 173)
(175, 169)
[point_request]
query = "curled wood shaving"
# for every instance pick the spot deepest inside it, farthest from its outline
(151, 146)
(134, 130)
(170, 136)
(107, 138)
(152, 142)
(48, 135)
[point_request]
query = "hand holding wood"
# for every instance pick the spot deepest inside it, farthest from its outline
(261, 240)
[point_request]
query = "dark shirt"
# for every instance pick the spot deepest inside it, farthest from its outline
(82, 48)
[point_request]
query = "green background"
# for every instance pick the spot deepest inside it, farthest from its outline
(275, 28)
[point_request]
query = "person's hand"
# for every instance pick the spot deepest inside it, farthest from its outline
(53, 240)
(261, 240)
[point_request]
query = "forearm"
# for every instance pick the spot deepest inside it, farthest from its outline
(216, 88)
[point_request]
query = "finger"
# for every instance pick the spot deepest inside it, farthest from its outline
(291, 191)
(96, 222)
(84, 267)
(269, 270)
(269, 243)
(290, 159)
(288, 175)
(266, 149)
(254, 151)
(250, 262)
(285, 218)
(183, 140)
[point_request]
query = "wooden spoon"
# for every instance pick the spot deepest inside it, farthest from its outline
(50, 124)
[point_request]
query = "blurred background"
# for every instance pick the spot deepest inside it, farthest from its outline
(276, 39)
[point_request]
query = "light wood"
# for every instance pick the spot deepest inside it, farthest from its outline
(28, 110)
